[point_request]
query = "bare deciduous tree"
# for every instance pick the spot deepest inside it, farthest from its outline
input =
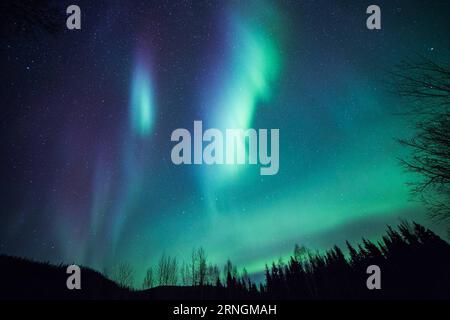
(185, 274)
(194, 268)
(167, 271)
(198, 271)
(148, 280)
(426, 85)
(202, 267)
(198, 267)
(124, 275)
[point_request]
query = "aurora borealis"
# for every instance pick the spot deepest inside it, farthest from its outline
(86, 169)
(141, 103)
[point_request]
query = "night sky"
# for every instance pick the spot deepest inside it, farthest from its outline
(87, 117)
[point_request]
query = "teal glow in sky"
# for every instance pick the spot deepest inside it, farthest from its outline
(142, 104)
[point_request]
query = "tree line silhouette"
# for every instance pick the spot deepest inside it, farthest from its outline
(414, 263)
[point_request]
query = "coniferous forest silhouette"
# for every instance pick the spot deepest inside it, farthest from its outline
(414, 264)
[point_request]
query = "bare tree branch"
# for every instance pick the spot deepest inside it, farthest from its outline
(426, 85)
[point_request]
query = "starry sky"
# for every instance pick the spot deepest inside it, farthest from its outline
(87, 117)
